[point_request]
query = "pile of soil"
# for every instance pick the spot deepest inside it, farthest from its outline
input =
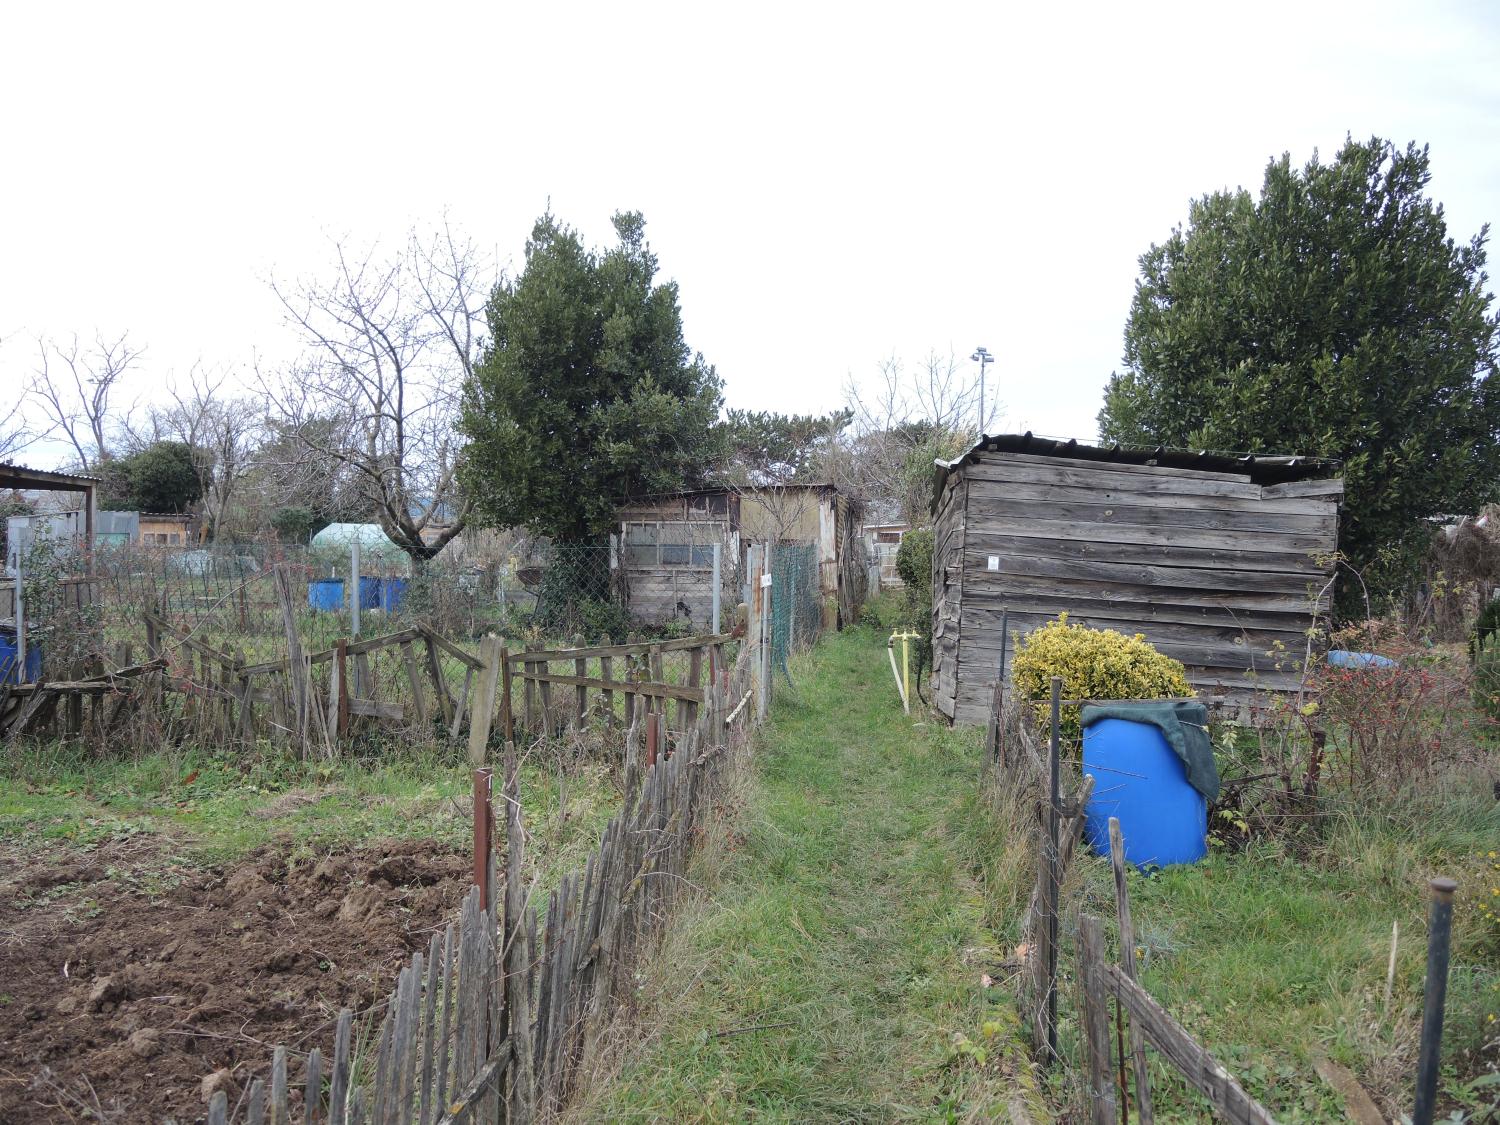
(131, 987)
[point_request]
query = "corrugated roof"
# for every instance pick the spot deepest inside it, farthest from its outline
(19, 476)
(1261, 468)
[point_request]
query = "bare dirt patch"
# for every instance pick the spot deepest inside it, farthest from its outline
(133, 984)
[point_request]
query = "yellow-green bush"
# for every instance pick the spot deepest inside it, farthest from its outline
(1093, 664)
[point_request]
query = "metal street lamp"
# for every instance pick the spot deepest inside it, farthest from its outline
(982, 357)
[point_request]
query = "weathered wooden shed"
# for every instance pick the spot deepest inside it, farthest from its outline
(1223, 561)
(666, 546)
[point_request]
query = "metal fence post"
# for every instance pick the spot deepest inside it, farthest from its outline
(354, 590)
(21, 677)
(1435, 995)
(718, 583)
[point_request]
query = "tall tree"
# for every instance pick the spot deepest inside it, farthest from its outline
(76, 385)
(1332, 316)
(764, 447)
(390, 341)
(586, 394)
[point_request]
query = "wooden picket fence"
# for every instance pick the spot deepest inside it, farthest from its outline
(1020, 759)
(496, 1021)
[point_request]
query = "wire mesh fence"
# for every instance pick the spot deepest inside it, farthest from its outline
(797, 603)
(206, 614)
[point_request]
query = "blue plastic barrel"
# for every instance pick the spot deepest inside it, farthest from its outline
(369, 592)
(392, 594)
(326, 595)
(1138, 778)
(10, 666)
(1341, 658)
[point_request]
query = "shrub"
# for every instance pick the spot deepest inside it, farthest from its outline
(1487, 676)
(914, 565)
(1485, 627)
(1093, 664)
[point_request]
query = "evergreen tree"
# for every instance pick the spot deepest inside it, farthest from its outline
(1333, 316)
(586, 394)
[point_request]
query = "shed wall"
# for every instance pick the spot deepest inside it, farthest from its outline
(1217, 571)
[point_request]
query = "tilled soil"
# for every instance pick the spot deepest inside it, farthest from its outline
(132, 985)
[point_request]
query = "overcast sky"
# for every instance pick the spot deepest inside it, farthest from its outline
(828, 184)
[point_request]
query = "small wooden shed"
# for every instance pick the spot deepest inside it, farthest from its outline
(666, 546)
(1223, 561)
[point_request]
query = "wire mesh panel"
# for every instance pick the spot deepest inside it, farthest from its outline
(796, 601)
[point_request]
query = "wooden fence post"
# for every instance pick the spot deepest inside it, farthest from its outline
(1127, 966)
(507, 717)
(482, 712)
(1093, 989)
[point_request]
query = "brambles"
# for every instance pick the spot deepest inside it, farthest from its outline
(1093, 664)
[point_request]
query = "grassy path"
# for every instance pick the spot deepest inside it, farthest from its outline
(835, 971)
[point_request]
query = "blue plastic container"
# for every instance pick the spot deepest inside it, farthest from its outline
(10, 666)
(369, 592)
(326, 595)
(1341, 658)
(392, 594)
(1138, 778)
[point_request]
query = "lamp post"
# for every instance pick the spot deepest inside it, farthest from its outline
(982, 357)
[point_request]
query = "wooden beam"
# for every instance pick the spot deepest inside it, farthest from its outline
(643, 687)
(1201, 1070)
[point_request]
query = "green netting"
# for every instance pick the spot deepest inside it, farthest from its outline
(796, 605)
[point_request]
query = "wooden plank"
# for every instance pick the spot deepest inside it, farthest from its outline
(580, 693)
(1203, 580)
(338, 1089)
(993, 534)
(1144, 1112)
(606, 674)
(992, 486)
(1201, 1070)
(352, 648)
(996, 456)
(1161, 482)
(680, 644)
(1101, 1085)
(1305, 488)
(986, 616)
(643, 687)
(439, 684)
(414, 681)
(375, 709)
(312, 1087)
(460, 712)
(491, 657)
(999, 501)
(450, 648)
(1015, 548)
(996, 594)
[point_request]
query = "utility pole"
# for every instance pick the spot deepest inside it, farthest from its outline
(982, 357)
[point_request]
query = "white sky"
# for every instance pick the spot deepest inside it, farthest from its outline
(828, 184)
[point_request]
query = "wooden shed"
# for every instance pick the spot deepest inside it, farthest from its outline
(666, 546)
(1223, 561)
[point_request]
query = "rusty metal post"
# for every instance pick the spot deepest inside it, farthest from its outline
(653, 737)
(1435, 996)
(484, 831)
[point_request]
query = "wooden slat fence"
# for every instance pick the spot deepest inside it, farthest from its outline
(1016, 756)
(497, 1019)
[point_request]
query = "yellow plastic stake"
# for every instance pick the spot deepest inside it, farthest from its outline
(905, 639)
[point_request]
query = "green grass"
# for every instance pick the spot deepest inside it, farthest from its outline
(1276, 955)
(836, 969)
(214, 807)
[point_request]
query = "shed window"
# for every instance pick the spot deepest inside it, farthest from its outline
(673, 543)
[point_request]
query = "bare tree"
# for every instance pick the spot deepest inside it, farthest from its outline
(907, 419)
(16, 431)
(390, 344)
(76, 384)
(222, 430)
